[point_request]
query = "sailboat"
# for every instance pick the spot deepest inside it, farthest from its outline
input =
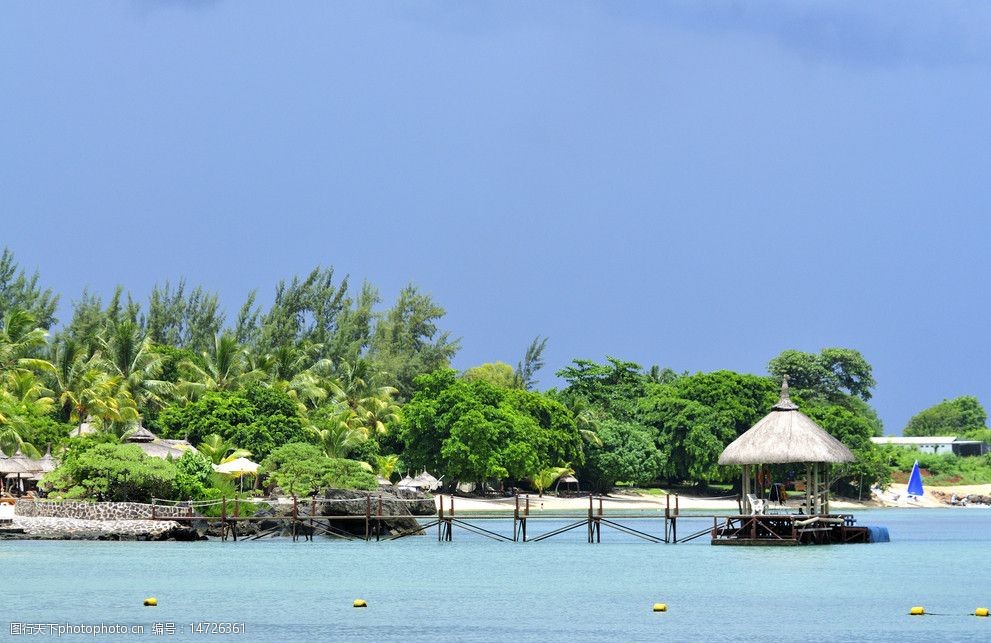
(915, 481)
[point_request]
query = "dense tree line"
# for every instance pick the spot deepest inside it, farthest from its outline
(328, 369)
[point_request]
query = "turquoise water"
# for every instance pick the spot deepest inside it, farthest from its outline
(474, 589)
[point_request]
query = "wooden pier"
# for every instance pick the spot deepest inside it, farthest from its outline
(303, 518)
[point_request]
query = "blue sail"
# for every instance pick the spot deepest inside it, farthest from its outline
(915, 481)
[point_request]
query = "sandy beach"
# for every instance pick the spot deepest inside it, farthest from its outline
(894, 496)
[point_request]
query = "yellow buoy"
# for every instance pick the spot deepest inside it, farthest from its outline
(660, 607)
(917, 611)
(360, 603)
(981, 611)
(151, 602)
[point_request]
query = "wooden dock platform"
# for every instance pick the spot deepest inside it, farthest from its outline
(304, 519)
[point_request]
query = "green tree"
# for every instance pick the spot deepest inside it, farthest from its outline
(407, 341)
(184, 321)
(130, 355)
(833, 373)
(629, 453)
(495, 373)
(256, 418)
(471, 430)
(113, 472)
(223, 368)
(19, 290)
(218, 450)
(950, 417)
(302, 469)
(691, 436)
(526, 371)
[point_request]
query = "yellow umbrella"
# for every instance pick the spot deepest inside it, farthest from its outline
(238, 467)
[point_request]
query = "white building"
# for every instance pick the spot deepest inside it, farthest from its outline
(938, 444)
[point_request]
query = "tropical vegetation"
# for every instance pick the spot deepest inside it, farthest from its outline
(329, 386)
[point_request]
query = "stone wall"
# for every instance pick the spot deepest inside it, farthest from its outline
(93, 510)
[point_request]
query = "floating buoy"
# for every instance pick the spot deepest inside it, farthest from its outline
(151, 602)
(981, 611)
(917, 611)
(360, 602)
(660, 607)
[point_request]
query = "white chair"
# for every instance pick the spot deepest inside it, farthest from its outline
(6, 513)
(757, 505)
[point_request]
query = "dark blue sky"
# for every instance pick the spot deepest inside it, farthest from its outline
(699, 187)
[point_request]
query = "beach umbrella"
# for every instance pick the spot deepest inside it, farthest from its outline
(239, 467)
(915, 481)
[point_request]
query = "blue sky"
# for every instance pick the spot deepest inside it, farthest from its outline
(699, 186)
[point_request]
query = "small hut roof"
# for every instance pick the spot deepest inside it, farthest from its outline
(13, 465)
(159, 449)
(785, 435)
(47, 462)
(85, 428)
(422, 481)
(30, 465)
(141, 434)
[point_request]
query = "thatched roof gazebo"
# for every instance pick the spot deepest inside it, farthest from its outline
(786, 436)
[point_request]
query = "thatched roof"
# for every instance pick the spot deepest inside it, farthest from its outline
(47, 462)
(785, 435)
(141, 434)
(85, 428)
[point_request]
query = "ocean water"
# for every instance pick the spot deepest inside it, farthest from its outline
(475, 589)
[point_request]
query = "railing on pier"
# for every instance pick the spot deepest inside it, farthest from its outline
(304, 519)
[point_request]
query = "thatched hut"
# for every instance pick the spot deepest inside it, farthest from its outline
(788, 436)
(155, 446)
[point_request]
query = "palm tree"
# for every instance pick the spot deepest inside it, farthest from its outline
(225, 367)
(217, 450)
(337, 435)
(20, 338)
(385, 465)
(11, 442)
(23, 391)
(546, 478)
(372, 405)
(84, 391)
(129, 353)
(378, 412)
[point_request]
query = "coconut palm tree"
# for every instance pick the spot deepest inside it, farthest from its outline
(548, 476)
(217, 450)
(337, 435)
(378, 412)
(20, 340)
(225, 367)
(385, 465)
(23, 391)
(83, 390)
(129, 353)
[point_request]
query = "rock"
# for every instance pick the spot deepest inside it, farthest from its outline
(399, 511)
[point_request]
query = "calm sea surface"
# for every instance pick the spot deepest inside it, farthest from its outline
(474, 589)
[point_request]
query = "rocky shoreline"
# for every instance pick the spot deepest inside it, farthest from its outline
(49, 528)
(74, 520)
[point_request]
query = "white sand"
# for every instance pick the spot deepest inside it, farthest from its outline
(894, 496)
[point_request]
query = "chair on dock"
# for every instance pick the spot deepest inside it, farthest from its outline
(757, 505)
